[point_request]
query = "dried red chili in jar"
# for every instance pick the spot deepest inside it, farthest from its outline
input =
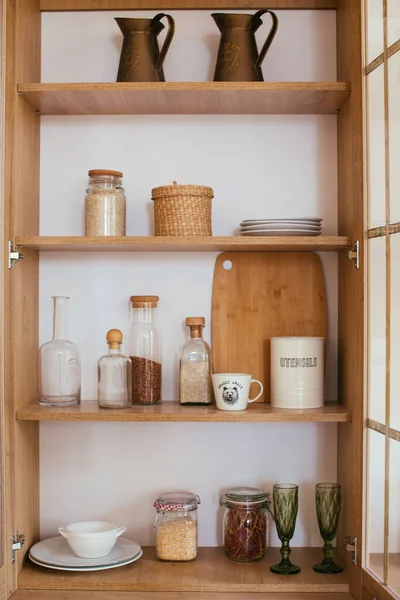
(245, 523)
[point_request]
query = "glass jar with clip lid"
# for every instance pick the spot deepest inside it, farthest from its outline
(176, 523)
(245, 523)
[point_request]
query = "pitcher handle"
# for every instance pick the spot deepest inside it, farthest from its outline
(271, 34)
(168, 38)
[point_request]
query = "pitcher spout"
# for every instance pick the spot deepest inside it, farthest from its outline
(227, 21)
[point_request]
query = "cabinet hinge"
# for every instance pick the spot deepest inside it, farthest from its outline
(13, 255)
(17, 541)
(351, 546)
(353, 253)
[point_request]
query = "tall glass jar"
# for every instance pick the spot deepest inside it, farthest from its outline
(105, 204)
(195, 366)
(114, 375)
(176, 523)
(245, 523)
(60, 363)
(145, 350)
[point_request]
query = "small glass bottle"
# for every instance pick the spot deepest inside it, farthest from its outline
(176, 523)
(60, 363)
(105, 204)
(114, 375)
(145, 350)
(245, 523)
(195, 366)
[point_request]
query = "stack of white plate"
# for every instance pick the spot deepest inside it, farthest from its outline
(54, 553)
(277, 227)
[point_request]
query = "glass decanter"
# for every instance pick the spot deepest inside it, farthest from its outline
(114, 375)
(60, 363)
(195, 366)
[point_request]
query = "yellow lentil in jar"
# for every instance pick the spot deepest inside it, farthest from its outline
(177, 540)
(105, 205)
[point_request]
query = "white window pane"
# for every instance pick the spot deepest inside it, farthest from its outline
(393, 21)
(376, 149)
(394, 135)
(377, 329)
(394, 517)
(375, 503)
(395, 331)
(374, 28)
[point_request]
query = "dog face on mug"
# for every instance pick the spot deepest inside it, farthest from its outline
(230, 395)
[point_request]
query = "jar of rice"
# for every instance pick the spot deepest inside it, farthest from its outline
(105, 204)
(176, 523)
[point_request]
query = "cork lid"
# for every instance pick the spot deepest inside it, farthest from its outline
(114, 338)
(142, 301)
(195, 321)
(104, 172)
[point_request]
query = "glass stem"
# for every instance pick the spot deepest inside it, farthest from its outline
(285, 551)
(328, 551)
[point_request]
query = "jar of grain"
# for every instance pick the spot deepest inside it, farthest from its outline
(195, 366)
(176, 523)
(105, 204)
(145, 350)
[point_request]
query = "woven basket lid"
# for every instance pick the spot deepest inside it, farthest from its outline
(175, 190)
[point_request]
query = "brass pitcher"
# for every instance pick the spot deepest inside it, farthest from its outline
(238, 57)
(141, 58)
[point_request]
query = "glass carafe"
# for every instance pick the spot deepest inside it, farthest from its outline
(145, 350)
(60, 363)
(195, 366)
(114, 375)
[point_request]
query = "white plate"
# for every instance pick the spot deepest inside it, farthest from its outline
(279, 232)
(55, 553)
(86, 569)
(280, 226)
(292, 220)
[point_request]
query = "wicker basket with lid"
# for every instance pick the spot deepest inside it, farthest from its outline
(182, 209)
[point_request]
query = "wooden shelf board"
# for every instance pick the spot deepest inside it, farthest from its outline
(212, 571)
(64, 5)
(183, 244)
(185, 98)
(77, 595)
(88, 410)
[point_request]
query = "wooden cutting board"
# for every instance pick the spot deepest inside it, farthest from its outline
(264, 294)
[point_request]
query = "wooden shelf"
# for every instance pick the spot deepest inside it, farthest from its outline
(212, 571)
(56, 5)
(183, 244)
(174, 412)
(318, 98)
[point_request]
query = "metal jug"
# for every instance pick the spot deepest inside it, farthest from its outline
(141, 58)
(238, 57)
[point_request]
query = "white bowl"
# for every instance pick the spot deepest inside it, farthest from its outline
(92, 539)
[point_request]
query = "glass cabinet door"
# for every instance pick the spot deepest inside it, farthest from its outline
(381, 552)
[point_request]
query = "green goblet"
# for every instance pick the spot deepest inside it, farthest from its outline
(328, 500)
(286, 504)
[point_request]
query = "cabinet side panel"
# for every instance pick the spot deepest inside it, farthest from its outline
(20, 192)
(351, 281)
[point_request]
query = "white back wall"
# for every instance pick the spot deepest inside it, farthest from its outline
(258, 166)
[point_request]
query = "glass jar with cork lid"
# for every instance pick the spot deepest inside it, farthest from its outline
(195, 366)
(105, 204)
(114, 375)
(145, 350)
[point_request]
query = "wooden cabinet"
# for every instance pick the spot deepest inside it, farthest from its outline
(25, 99)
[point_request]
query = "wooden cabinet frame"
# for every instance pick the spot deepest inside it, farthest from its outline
(21, 149)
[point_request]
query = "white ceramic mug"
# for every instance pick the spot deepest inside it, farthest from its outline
(231, 390)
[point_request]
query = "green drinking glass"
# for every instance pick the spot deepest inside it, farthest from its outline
(286, 504)
(328, 500)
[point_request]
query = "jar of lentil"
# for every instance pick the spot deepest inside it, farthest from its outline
(145, 350)
(105, 204)
(176, 523)
(245, 523)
